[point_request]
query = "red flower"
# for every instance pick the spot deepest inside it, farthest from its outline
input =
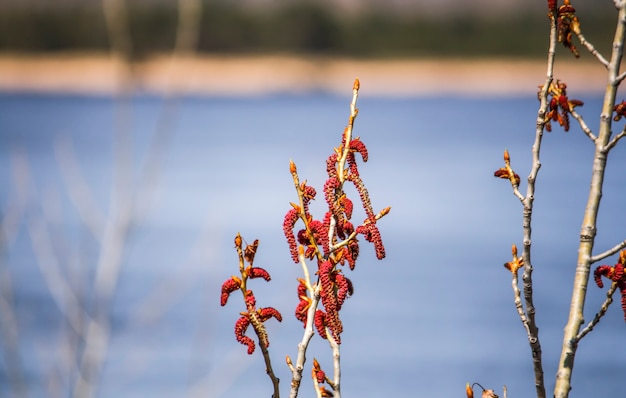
(346, 205)
(504, 173)
(258, 272)
(560, 105)
(228, 287)
(356, 145)
(620, 111)
(328, 274)
(240, 329)
(566, 23)
(615, 274)
(320, 376)
(290, 221)
(331, 165)
(363, 194)
(302, 309)
(372, 234)
(344, 288)
(249, 299)
(331, 186)
(269, 312)
(320, 323)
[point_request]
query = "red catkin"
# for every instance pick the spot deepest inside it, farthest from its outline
(240, 329)
(258, 272)
(290, 221)
(229, 286)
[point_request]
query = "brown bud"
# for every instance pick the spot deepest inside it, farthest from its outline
(357, 84)
(384, 212)
(292, 167)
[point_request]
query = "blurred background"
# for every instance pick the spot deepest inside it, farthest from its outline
(138, 137)
(356, 28)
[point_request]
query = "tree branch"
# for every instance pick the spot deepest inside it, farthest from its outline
(608, 253)
(583, 125)
(603, 308)
(592, 49)
(588, 229)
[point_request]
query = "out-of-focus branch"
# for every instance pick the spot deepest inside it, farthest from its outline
(77, 188)
(116, 22)
(128, 203)
(61, 292)
(9, 330)
(189, 17)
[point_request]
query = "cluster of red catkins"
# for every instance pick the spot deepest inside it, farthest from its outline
(616, 274)
(332, 241)
(252, 316)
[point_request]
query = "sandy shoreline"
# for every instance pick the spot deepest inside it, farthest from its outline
(99, 74)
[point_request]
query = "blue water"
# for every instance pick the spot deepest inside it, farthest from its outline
(435, 314)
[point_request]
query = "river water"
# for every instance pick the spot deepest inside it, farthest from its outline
(436, 313)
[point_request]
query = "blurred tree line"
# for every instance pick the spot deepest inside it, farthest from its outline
(294, 27)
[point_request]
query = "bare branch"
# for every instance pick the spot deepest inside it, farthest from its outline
(268, 368)
(608, 253)
(9, 329)
(614, 141)
(592, 49)
(588, 228)
(336, 384)
(605, 306)
(77, 188)
(530, 325)
(517, 297)
(583, 125)
(296, 371)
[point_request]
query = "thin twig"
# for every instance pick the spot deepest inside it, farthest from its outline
(517, 298)
(269, 370)
(336, 384)
(592, 49)
(614, 141)
(296, 373)
(583, 125)
(605, 306)
(348, 131)
(77, 188)
(532, 329)
(527, 315)
(608, 253)
(9, 327)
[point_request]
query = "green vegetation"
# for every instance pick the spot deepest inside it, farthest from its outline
(301, 28)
